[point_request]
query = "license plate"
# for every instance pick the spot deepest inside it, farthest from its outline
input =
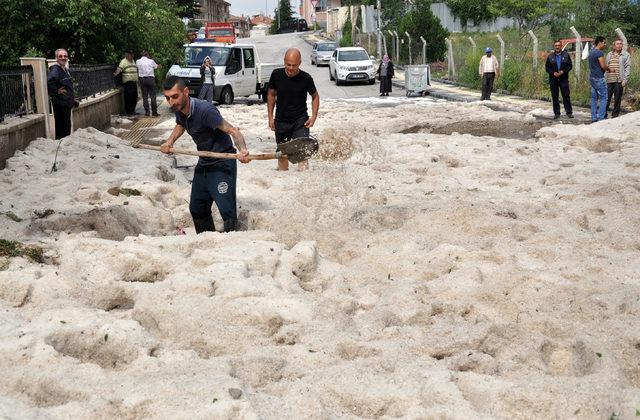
(192, 91)
(358, 76)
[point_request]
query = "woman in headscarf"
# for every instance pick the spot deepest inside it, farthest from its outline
(385, 71)
(207, 78)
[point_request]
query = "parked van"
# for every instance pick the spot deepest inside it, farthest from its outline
(238, 70)
(293, 25)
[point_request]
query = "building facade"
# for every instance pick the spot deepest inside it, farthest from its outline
(316, 10)
(214, 11)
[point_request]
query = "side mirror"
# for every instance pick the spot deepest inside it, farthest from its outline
(372, 57)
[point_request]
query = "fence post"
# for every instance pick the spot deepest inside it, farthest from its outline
(473, 44)
(578, 51)
(424, 50)
(39, 66)
(409, 45)
(393, 43)
(502, 52)
(384, 41)
(535, 49)
(397, 46)
(623, 38)
(451, 68)
(379, 10)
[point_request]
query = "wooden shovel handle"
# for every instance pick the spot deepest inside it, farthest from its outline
(217, 155)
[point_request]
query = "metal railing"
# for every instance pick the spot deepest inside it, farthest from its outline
(17, 93)
(90, 80)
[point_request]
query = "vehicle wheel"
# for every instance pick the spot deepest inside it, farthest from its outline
(372, 81)
(330, 75)
(265, 92)
(312, 63)
(226, 97)
(338, 82)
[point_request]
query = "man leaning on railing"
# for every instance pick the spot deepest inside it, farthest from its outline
(60, 86)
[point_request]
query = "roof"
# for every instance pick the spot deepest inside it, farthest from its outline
(350, 49)
(261, 19)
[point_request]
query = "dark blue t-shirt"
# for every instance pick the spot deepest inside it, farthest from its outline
(202, 125)
(594, 64)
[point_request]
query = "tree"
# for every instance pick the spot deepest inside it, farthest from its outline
(473, 11)
(420, 21)
(281, 14)
(92, 31)
(187, 8)
(529, 14)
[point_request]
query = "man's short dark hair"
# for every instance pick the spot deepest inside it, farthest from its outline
(172, 81)
(599, 40)
(556, 41)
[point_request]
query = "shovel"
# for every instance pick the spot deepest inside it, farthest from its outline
(295, 151)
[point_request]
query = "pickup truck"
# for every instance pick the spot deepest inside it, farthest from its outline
(238, 70)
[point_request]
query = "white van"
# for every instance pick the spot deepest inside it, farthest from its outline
(238, 70)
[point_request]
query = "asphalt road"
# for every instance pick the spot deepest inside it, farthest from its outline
(271, 49)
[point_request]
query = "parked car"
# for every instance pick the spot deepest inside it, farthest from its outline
(321, 53)
(351, 64)
(293, 25)
(239, 71)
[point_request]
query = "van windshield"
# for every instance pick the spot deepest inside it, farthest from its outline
(354, 55)
(220, 32)
(195, 55)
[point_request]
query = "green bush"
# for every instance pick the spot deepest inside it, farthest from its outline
(511, 75)
(468, 72)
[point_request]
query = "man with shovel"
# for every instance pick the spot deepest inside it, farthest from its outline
(288, 88)
(214, 180)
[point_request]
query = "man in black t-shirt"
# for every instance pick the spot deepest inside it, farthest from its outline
(288, 88)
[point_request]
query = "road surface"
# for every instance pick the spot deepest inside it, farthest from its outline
(271, 49)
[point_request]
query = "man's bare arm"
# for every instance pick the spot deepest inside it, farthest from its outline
(178, 130)
(315, 106)
(238, 139)
(271, 104)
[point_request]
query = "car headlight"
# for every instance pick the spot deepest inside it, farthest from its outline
(369, 67)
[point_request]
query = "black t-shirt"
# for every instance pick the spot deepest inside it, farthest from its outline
(291, 100)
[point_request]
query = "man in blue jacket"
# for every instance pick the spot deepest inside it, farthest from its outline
(558, 66)
(60, 87)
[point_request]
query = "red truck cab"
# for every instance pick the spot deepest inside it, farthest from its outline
(220, 32)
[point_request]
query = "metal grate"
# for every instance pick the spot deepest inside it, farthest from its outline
(91, 80)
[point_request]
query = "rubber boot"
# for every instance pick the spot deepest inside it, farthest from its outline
(230, 225)
(204, 225)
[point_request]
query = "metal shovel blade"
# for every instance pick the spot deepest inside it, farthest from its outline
(299, 149)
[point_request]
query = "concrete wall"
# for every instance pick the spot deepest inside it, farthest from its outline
(17, 133)
(97, 112)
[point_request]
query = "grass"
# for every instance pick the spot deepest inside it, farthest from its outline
(16, 249)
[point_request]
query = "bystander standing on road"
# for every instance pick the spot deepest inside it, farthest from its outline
(619, 63)
(385, 72)
(558, 66)
(60, 85)
(597, 67)
(489, 68)
(129, 72)
(288, 89)
(147, 79)
(207, 80)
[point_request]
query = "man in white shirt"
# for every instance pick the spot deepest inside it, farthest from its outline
(146, 77)
(488, 70)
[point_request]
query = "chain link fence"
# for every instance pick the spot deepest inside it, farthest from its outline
(17, 91)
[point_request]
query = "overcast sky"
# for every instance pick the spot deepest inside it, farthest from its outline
(253, 7)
